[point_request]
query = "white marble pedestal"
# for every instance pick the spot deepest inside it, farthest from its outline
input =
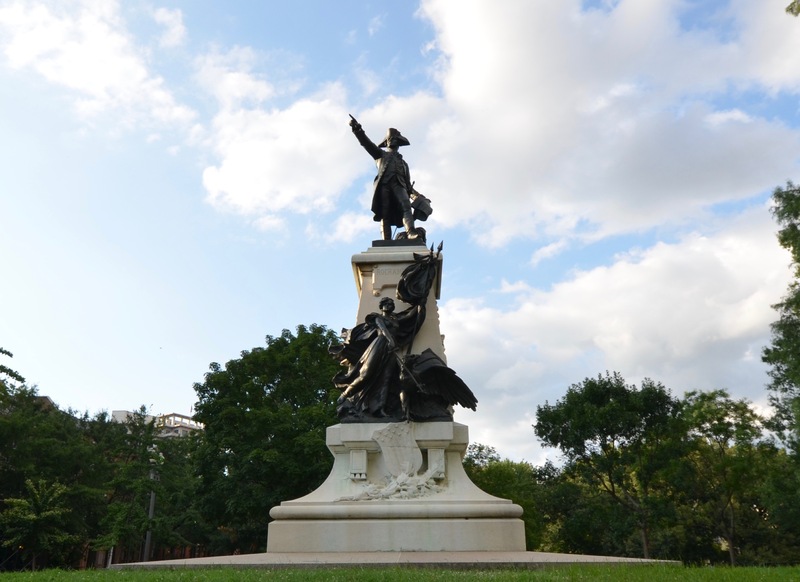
(397, 487)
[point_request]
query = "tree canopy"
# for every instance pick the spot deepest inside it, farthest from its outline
(7, 375)
(695, 478)
(618, 436)
(265, 417)
(783, 355)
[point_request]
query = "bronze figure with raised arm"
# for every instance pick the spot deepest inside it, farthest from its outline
(392, 188)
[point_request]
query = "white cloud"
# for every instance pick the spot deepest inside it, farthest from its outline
(229, 77)
(351, 226)
(84, 47)
(375, 24)
(282, 160)
(690, 314)
(768, 46)
(174, 30)
(270, 223)
(369, 81)
(556, 121)
(731, 115)
(548, 251)
(552, 122)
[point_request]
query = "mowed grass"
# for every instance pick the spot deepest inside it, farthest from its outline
(616, 573)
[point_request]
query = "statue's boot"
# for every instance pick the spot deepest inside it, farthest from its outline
(386, 230)
(408, 222)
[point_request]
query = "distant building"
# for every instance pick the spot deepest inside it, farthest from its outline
(177, 425)
(169, 425)
(46, 402)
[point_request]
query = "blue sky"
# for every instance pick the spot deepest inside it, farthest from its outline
(178, 180)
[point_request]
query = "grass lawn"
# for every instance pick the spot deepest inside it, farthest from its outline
(616, 573)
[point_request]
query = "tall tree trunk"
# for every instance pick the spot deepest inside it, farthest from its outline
(731, 551)
(645, 531)
(730, 536)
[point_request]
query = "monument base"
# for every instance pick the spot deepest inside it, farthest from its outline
(396, 535)
(397, 487)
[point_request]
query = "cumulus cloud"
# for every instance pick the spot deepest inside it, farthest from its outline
(559, 120)
(548, 251)
(692, 314)
(349, 227)
(230, 78)
(767, 45)
(552, 121)
(280, 160)
(174, 31)
(84, 47)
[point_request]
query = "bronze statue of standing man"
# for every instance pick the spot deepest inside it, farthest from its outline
(392, 188)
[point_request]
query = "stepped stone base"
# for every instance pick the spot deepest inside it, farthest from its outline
(444, 560)
(399, 535)
(397, 487)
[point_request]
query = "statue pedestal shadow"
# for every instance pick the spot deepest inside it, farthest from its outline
(397, 487)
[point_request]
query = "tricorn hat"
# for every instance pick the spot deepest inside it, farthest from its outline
(391, 134)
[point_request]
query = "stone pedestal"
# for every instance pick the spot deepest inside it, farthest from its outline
(397, 487)
(377, 272)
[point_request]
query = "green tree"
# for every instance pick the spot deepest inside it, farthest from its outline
(149, 468)
(35, 524)
(105, 468)
(38, 441)
(794, 8)
(725, 460)
(783, 355)
(136, 464)
(779, 496)
(7, 375)
(783, 358)
(508, 479)
(478, 457)
(581, 517)
(619, 438)
(177, 521)
(265, 417)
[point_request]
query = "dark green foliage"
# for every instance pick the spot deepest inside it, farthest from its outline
(147, 466)
(724, 467)
(137, 462)
(695, 479)
(7, 375)
(508, 480)
(104, 468)
(265, 417)
(178, 521)
(478, 457)
(783, 355)
(36, 523)
(39, 442)
(779, 500)
(582, 519)
(780, 492)
(618, 438)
